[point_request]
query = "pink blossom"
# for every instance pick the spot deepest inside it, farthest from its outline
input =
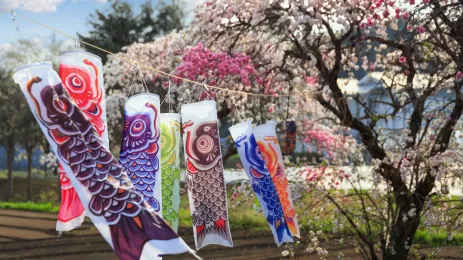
(402, 59)
(406, 15)
(370, 22)
(421, 29)
(459, 76)
(235, 195)
(216, 67)
(412, 2)
(271, 109)
(311, 80)
(386, 14)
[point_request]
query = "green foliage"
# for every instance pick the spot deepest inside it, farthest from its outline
(11, 100)
(36, 173)
(120, 27)
(241, 213)
(30, 206)
(438, 238)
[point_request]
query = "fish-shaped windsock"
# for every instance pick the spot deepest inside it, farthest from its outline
(104, 189)
(82, 76)
(268, 144)
(170, 167)
(289, 144)
(140, 147)
(204, 166)
(261, 181)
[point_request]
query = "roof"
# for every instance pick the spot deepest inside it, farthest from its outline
(375, 80)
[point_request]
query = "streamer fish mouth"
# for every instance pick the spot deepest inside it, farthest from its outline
(65, 53)
(35, 64)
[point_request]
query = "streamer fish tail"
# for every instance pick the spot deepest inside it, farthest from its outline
(292, 226)
(280, 227)
(133, 233)
(154, 203)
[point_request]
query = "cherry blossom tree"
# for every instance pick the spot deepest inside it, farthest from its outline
(187, 58)
(418, 48)
(300, 54)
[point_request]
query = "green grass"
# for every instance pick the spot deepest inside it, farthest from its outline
(30, 206)
(438, 238)
(36, 173)
(242, 216)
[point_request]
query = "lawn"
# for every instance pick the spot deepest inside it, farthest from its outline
(242, 215)
(30, 206)
(46, 199)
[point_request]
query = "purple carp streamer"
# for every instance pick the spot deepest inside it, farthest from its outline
(206, 183)
(140, 147)
(261, 181)
(101, 184)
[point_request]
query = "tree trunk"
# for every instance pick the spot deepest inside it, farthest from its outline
(46, 150)
(10, 159)
(402, 234)
(29, 174)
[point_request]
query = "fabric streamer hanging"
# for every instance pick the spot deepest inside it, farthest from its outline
(107, 194)
(268, 144)
(261, 181)
(82, 76)
(140, 147)
(206, 183)
(289, 144)
(170, 167)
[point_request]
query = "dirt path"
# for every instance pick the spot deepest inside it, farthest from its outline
(29, 235)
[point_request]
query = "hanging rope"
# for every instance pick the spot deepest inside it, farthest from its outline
(135, 62)
(16, 26)
(136, 70)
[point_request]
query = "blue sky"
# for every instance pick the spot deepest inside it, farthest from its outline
(69, 16)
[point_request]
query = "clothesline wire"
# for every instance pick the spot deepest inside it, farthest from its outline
(137, 63)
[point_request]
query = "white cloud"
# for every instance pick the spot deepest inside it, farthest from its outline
(97, 1)
(10, 3)
(37, 6)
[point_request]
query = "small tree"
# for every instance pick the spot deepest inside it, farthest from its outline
(30, 137)
(17, 124)
(10, 97)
